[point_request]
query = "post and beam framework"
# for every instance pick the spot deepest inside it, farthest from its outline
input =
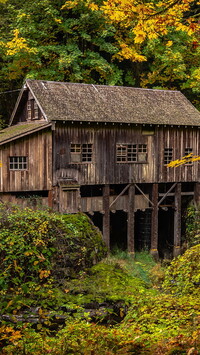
(177, 221)
(106, 215)
(154, 222)
(131, 219)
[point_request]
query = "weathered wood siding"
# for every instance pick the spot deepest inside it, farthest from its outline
(96, 203)
(179, 139)
(38, 148)
(105, 170)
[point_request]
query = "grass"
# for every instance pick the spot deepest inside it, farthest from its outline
(139, 266)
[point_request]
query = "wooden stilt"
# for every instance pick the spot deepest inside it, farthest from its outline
(106, 216)
(154, 222)
(50, 199)
(197, 193)
(177, 221)
(131, 220)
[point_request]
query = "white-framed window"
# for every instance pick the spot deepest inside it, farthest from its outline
(81, 153)
(131, 153)
(18, 163)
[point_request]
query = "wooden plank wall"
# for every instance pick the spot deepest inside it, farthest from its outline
(105, 170)
(38, 148)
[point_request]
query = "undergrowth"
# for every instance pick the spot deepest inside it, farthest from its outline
(116, 305)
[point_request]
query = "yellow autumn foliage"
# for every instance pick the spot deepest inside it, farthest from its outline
(145, 20)
(184, 160)
(18, 44)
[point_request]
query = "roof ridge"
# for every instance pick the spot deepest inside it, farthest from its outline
(101, 85)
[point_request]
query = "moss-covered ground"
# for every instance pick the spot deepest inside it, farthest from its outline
(61, 294)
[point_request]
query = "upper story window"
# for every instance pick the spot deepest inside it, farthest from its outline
(187, 152)
(81, 153)
(32, 110)
(168, 155)
(131, 153)
(18, 163)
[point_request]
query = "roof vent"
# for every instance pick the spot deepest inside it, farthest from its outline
(44, 86)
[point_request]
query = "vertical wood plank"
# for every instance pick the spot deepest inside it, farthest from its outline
(131, 220)
(177, 221)
(106, 216)
(154, 222)
(197, 193)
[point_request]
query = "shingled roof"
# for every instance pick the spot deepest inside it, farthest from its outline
(100, 103)
(20, 130)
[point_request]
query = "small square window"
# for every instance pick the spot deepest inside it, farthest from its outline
(131, 153)
(81, 153)
(87, 153)
(18, 163)
(121, 153)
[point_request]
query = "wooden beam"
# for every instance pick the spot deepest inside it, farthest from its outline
(154, 222)
(144, 194)
(197, 194)
(50, 199)
(167, 193)
(177, 221)
(121, 193)
(131, 220)
(184, 193)
(106, 215)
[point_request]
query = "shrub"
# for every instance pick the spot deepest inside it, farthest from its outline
(39, 249)
(193, 225)
(183, 275)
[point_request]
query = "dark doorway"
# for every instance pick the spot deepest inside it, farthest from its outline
(118, 230)
(142, 230)
(165, 232)
(97, 219)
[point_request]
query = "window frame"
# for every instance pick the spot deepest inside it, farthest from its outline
(32, 110)
(82, 150)
(168, 155)
(14, 163)
(132, 152)
(187, 151)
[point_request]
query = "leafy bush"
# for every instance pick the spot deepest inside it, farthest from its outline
(183, 275)
(75, 338)
(193, 225)
(39, 249)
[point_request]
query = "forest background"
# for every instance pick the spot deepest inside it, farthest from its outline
(149, 44)
(135, 306)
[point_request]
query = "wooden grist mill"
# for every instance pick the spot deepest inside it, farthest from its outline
(104, 150)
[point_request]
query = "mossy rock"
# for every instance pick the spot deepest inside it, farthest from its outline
(38, 245)
(80, 246)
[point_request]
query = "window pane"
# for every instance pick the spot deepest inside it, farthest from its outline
(75, 148)
(18, 163)
(121, 153)
(132, 153)
(75, 158)
(86, 152)
(188, 151)
(168, 155)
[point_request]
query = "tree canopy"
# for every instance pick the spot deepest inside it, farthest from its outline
(153, 44)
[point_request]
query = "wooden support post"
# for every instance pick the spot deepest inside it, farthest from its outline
(177, 221)
(131, 220)
(106, 215)
(50, 199)
(197, 194)
(154, 223)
